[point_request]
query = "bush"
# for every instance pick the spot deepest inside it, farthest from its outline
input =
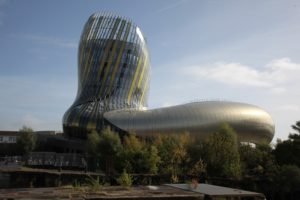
(94, 184)
(125, 179)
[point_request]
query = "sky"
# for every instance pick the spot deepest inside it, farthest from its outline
(234, 50)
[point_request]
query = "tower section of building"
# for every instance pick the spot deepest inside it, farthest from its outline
(113, 72)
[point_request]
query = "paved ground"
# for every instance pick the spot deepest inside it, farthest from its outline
(114, 192)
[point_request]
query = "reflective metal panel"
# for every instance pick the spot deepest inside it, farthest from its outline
(113, 72)
(251, 123)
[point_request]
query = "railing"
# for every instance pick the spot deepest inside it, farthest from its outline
(46, 159)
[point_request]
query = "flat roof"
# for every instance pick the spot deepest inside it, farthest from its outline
(217, 191)
(9, 133)
(106, 193)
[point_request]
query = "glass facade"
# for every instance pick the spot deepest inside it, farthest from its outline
(113, 72)
(113, 84)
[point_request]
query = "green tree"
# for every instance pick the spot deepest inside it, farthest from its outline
(288, 180)
(137, 156)
(172, 150)
(296, 127)
(196, 153)
(125, 179)
(222, 153)
(109, 148)
(198, 168)
(287, 152)
(257, 160)
(153, 160)
(132, 155)
(93, 141)
(249, 158)
(26, 142)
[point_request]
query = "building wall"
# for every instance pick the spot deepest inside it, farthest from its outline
(113, 72)
(8, 137)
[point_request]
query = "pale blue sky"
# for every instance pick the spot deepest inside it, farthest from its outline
(237, 50)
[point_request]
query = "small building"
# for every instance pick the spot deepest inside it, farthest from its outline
(9, 137)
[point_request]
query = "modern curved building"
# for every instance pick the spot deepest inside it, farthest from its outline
(113, 84)
(113, 72)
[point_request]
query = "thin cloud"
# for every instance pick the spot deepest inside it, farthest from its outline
(275, 75)
(3, 2)
(291, 107)
(65, 43)
(2, 14)
(37, 94)
(31, 121)
(171, 6)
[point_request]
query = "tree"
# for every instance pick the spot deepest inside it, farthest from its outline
(109, 147)
(153, 160)
(172, 150)
(250, 160)
(93, 141)
(125, 179)
(295, 137)
(137, 157)
(296, 127)
(198, 168)
(287, 152)
(288, 180)
(26, 142)
(222, 153)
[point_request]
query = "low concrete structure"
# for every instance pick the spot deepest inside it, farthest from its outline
(219, 192)
(113, 192)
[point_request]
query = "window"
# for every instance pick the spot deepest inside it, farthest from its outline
(11, 139)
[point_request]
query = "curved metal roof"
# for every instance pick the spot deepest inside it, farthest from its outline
(251, 123)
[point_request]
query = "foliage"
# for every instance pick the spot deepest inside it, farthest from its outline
(109, 142)
(109, 148)
(93, 141)
(222, 153)
(198, 168)
(26, 142)
(153, 160)
(94, 184)
(257, 161)
(103, 147)
(289, 178)
(272, 171)
(125, 179)
(77, 185)
(296, 127)
(174, 178)
(172, 150)
(288, 151)
(137, 157)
